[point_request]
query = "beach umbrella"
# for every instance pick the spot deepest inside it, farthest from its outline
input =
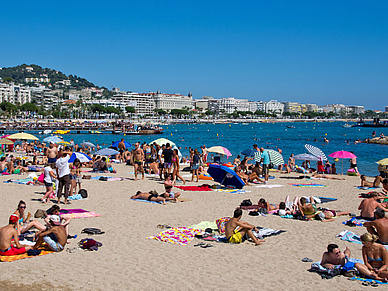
(306, 157)
(106, 152)
(5, 141)
(315, 151)
(219, 150)
(383, 162)
(64, 142)
(249, 152)
(53, 138)
(88, 144)
(225, 176)
(275, 157)
(83, 158)
(22, 135)
(116, 144)
(162, 141)
(342, 155)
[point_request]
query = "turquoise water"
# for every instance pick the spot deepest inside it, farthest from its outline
(237, 137)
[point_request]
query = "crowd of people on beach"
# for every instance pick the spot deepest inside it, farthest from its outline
(165, 162)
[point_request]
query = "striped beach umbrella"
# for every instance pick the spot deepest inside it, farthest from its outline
(275, 157)
(315, 151)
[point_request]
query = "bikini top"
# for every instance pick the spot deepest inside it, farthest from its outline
(375, 260)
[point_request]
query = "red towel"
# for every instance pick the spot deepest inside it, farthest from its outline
(194, 188)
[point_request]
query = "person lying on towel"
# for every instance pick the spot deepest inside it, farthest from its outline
(151, 196)
(7, 233)
(236, 231)
(55, 238)
(328, 215)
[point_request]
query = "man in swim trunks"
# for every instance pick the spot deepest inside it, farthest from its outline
(121, 147)
(334, 256)
(52, 153)
(151, 196)
(167, 156)
(7, 233)
(138, 158)
(375, 184)
(55, 238)
(369, 205)
(266, 161)
(236, 230)
(379, 226)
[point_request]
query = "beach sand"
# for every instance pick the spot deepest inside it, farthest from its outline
(129, 261)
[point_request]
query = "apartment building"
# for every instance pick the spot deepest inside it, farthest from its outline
(15, 94)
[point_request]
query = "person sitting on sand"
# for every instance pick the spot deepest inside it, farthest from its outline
(264, 204)
(8, 234)
(24, 223)
(64, 219)
(55, 237)
(237, 161)
(375, 184)
(236, 230)
(328, 215)
(307, 208)
(324, 176)
(375, 258)
(369, 205)
(168, 185)
(244, 163)
(334, 256)
(379, 226)
(151, 196)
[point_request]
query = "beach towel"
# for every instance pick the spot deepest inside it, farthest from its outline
(233, 191)
(78, 213)
(356, 278)
(266, 232)
(142, 200)
(23, 256)
(307, 185)
(327, 199)
(367, 188)
(269, 186)
(352, 237)
(221, 222)
(176, 235)
(204, 225)
(76, 197)
(194, 188)
(25, 181)
(358, 221)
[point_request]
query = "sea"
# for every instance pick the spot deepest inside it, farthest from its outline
(238, 136)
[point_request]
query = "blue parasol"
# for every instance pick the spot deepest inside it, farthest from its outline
(225, 176)
(116, 144)
(83, 158)
(249, 152)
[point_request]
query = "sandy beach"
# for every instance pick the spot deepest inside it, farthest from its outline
(129, 261)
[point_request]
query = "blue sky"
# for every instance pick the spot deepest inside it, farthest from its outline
(307, 51)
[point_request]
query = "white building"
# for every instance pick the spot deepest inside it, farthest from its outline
(293, 107)
(15, 94)
(44, 97)
(252, 106)
(143, 103)
(272, 106)
(172, 101)
(356, 109)
(37, 80)
(231, 105)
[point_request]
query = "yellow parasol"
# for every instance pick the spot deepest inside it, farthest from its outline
(5, 141)
(383, 162)
(22, 135)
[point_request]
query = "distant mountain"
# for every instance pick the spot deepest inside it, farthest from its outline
(19, 74)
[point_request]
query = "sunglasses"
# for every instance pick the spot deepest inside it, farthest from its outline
(23, 207)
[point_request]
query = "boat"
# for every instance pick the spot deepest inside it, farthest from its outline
(290, 126)
(245, 123)
(46, 131)
(60, 131)
(346, 125)
(95, 132)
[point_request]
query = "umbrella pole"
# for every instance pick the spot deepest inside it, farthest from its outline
(222, 181)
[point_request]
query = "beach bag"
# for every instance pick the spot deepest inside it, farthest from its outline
(41, 178)
(253, 213)
(83, 193)
(271, 165)
(246, 202)
(103, 179)
(89, 244)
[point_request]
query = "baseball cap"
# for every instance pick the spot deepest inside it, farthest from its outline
(55, 219)
(13, 219)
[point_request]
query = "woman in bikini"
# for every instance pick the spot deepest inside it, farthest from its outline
(264, 204)
(152, 196)
(75, 176)
(175, 163)
(168, 185)
(24, 222)
(375, 258)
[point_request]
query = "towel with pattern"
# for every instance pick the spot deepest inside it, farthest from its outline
(177, 235)
(307, 185)
(78, 213)
(23, 256)
(352, 237)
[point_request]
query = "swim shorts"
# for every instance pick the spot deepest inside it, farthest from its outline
(138, 163)
(167, 165)
(52, 160)
(12, 251)
(195, 166)
(53, 245)
(48, 184)
(152, 195)
(17, 171)
(236, 238)
(265, 169)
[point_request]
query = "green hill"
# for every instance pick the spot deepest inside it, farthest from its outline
(19, 74)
